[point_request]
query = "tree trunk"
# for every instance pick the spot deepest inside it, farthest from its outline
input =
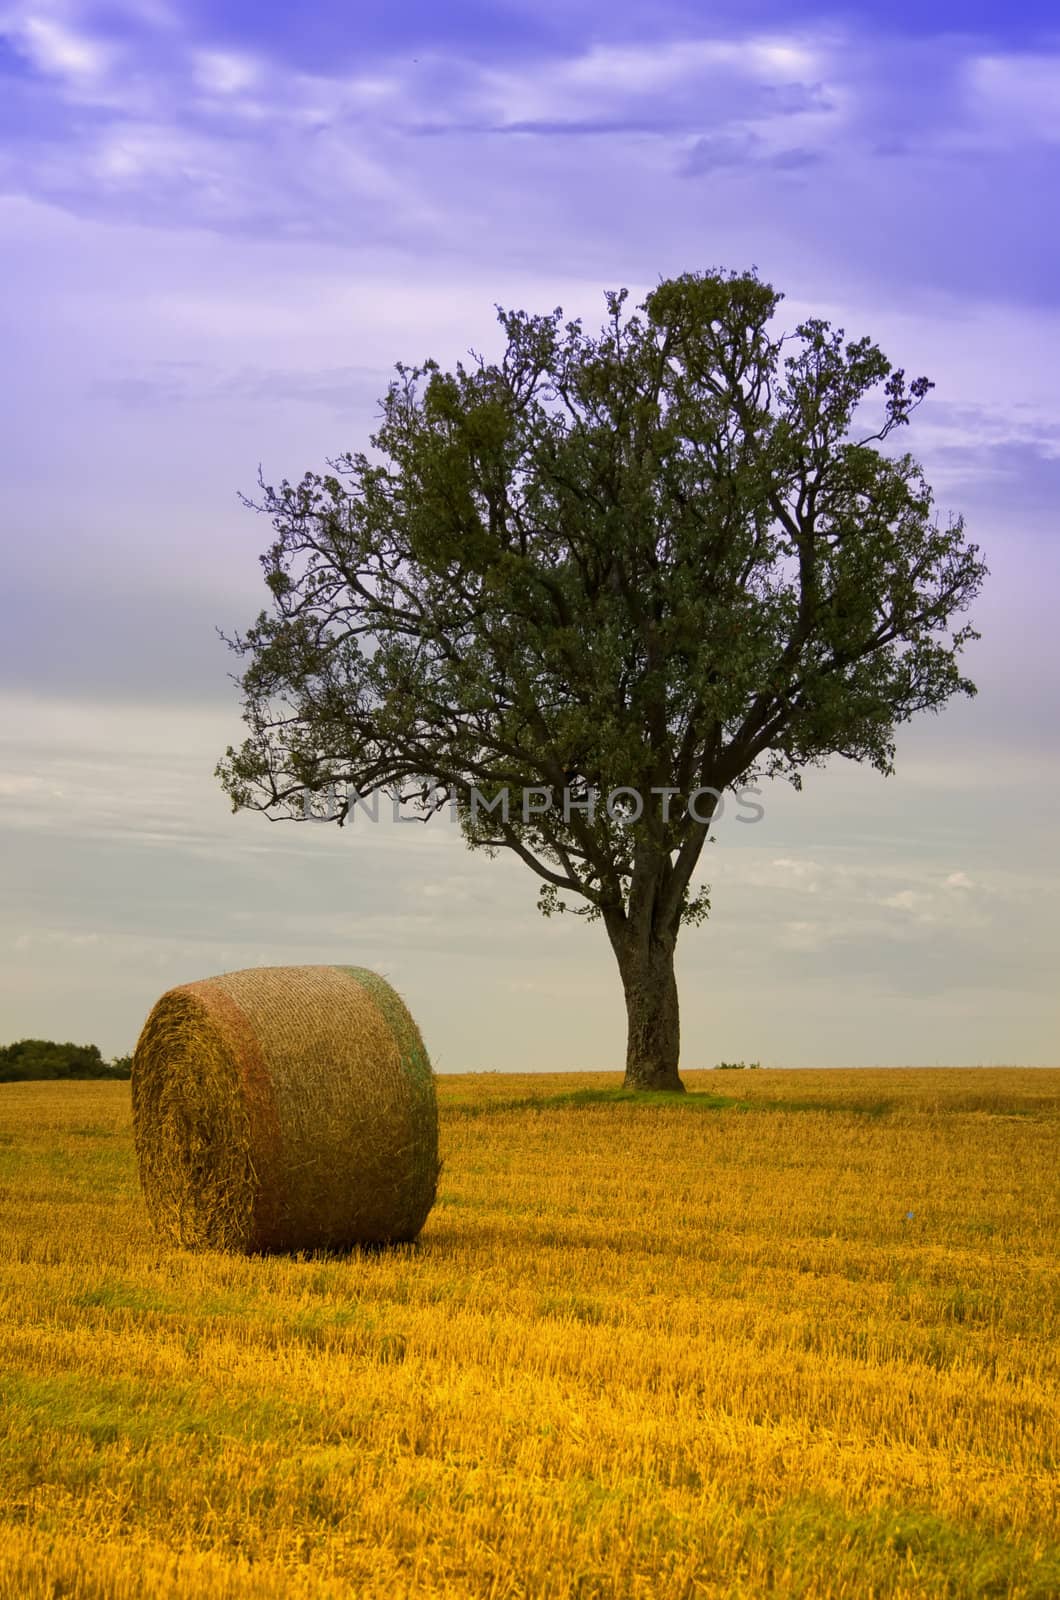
(653, 1041)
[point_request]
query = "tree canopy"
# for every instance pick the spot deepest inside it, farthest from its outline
(44, 1059)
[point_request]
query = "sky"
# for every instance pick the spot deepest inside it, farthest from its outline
(221, 225)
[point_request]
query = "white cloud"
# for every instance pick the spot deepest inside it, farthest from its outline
(451, 890)
(907, 900)
(612, 81)
(643, 68)
(224, 72)
(651, 67)
(850, 893)
(62, 938)
(55, 47)
(142, 151)
(803, 871)
(772, 57)
(1017, 95)
(807, 936)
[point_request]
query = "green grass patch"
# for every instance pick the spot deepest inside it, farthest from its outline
(123, 1411)
(113, 1296)
(949, 1558)
(694, 1100)
(573, 1308)
(581, 1098)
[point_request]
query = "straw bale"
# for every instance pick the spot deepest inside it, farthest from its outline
(285, 1109)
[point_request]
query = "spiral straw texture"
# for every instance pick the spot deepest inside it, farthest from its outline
(285, 1108)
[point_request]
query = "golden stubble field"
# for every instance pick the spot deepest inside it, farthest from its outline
(801, 1342)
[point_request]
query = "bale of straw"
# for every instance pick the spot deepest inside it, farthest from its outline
(285, 1108)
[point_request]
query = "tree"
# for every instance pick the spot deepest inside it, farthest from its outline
(29, 1059)
(664, 560)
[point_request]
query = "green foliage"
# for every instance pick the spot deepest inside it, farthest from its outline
(659, 558)
(737, 1066)
(44, 1059)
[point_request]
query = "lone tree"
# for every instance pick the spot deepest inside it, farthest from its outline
(665, 561)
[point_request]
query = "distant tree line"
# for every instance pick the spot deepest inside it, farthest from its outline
(43, 1058)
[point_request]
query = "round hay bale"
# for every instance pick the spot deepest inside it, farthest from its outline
(285, 1108)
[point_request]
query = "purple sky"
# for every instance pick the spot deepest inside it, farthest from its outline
(221, 226)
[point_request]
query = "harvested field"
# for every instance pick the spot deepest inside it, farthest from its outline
(795, 1334)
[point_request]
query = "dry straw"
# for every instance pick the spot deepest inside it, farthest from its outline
(285, 1108)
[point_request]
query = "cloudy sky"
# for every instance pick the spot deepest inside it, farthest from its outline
(221, 224)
